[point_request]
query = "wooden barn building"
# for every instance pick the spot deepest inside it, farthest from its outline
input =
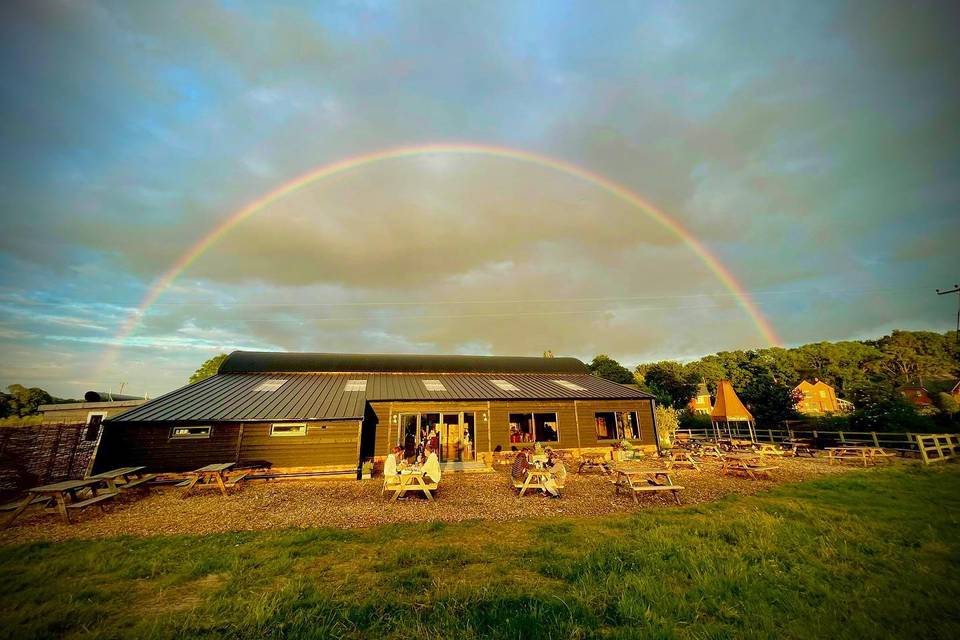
(307, 411)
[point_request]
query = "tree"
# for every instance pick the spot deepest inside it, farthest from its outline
(667, 424)
(672, 381)
(771, 402)
(606, 367)
(208, 368)
(21, 401)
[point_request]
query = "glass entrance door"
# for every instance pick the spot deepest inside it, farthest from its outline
(456, 435)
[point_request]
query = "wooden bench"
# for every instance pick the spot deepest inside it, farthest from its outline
(233, 480)
(94, 500)
(138, 482)
(13, 506)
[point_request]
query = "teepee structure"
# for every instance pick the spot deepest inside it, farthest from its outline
(729, 415)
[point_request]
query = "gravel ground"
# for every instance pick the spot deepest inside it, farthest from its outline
(281, 504)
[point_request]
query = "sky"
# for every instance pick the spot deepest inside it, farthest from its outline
(812, 148)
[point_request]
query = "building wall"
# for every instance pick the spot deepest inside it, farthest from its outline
(818, 398)
(78, 414)
(576, 423)
(326, 445)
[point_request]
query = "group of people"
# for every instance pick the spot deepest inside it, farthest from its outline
(554, 464)
(428, 462)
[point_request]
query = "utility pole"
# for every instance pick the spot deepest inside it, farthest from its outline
(956, 290)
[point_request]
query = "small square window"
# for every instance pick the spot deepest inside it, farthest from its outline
(355, 385)
(190, 432)
(269, 385)
(284, 430)
(434, 385)
(93, 426)
(505, 385)
(569, 385)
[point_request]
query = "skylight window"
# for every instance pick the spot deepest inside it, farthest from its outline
(434, 385)
(355, 385)
(505, 385)
(269, 385)
(566, 384)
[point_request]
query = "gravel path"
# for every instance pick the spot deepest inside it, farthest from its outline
(350, 504)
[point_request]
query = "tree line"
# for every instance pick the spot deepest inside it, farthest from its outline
(868, 373)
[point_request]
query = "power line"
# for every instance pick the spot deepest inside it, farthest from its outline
(956, 290)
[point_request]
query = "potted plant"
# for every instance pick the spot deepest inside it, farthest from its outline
(366, 471)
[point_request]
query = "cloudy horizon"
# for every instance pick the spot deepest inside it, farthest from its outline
(811, 147)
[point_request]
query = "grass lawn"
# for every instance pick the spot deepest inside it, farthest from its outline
(864, 554)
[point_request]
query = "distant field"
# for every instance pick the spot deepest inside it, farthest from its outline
(864, 554)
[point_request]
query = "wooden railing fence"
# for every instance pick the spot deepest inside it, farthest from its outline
(901, 442)
(937, 447)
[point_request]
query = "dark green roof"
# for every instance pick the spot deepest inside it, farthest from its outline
(278, 362)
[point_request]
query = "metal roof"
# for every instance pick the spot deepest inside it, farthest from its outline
(230, 397)
(266, 361)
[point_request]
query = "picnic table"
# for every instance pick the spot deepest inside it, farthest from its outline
(124, 478)
(642, 480)
(65, 495)
(411, 480)
(212, 476)
(594, 460)
(802, 447)
(865, 454)
(748, 464)
(770, 449)
(682, 457)
(710, 450)
(536, 479)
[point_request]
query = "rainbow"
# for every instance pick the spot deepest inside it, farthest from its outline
(341, 166)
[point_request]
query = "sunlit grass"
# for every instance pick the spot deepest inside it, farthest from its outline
(870, 554)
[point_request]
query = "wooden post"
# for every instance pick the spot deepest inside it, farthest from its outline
(876, 442)
(840, 433)
(770, 434)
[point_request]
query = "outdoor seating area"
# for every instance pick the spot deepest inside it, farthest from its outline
(325, 502)
(864, 455)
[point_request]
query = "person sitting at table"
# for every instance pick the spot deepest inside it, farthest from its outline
(520, 466)
(431, 468)
(559, 474)
(391, 474)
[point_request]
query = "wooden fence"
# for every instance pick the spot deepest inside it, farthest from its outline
(39, 454)
(901, 442)
(936, 447)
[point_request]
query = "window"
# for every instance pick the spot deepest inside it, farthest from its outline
(533, 427)
(190, 432)
(823, 394)
(269, 385)
(505, 385)
(93, 426)
(355, 385)
(566, 384)
(617, 425)
(434, 385)
(284, 430)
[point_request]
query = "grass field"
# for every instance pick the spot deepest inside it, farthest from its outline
(871, 554)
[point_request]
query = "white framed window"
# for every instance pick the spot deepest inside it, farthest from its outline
(269, 385)
(434, 385)
(533, 427)
(93, 425)
(617, 425)
(505, 385)
(285, 430)
(187, 433)
(355, 385)
(566, 384)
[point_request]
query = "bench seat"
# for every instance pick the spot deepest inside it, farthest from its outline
(13, 506)
(233, 480)
(136, 483)
(657, 487)
(90, 501)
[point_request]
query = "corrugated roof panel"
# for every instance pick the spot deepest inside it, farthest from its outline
(230, 397)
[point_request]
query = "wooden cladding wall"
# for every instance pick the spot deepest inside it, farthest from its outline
(587, 410)
(334, 443)
(326, 444)
(41, 454)
(500, 423)
(150, 445)
(576, 422)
